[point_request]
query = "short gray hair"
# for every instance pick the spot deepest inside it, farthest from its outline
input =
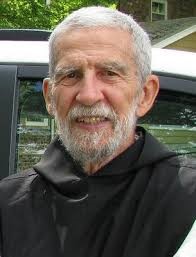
(97, 16)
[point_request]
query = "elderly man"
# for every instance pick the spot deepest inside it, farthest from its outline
(103, 188)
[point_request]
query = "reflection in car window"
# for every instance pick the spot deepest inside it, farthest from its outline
(172, 121)
(35, 127)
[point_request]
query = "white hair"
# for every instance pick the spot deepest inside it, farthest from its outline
(96, 16)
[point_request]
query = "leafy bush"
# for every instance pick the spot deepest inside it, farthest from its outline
(36, 14)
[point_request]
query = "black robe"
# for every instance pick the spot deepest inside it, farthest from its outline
(141, 204)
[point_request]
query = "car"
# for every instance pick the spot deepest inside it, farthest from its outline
(26, 128)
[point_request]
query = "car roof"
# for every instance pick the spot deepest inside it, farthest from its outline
(36, 52)
(174, 62)
(20, 52)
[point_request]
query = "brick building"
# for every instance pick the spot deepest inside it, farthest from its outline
(152, 10)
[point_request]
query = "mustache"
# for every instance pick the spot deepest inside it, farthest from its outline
(99, 109)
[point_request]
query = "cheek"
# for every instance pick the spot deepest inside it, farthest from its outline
(120, 99)
(63, 101)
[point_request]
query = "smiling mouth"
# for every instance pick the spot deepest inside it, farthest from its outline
(91, 120)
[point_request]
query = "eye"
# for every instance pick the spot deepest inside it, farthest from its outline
(67, 78)
(72, 75)
(109, 73)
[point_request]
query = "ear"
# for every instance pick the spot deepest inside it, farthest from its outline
(148, 95)
(47, 95)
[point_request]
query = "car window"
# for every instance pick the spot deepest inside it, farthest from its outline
(35, 127)
(172, 120)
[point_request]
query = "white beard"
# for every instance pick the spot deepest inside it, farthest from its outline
(94, 147)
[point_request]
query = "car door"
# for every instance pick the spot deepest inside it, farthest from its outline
(21, 103)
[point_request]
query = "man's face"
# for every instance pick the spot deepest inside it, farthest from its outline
(94, 92)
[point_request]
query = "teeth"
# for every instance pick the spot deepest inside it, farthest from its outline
(91, 120)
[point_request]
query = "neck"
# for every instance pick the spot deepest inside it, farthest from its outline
(92, 168)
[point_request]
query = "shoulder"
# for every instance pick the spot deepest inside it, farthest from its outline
(18, 178)
(187, 173)
(175, 177)
(185, 169)
(18, 185)
(183, 161)
(179, 166)
(173, 185)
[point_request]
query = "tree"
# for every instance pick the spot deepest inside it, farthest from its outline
(24, 14)
(36, 14)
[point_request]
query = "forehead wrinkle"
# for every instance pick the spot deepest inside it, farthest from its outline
(116, 66)
(74, 61)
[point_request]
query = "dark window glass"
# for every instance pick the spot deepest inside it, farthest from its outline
(173, 121)
(35, 127)
(158, 10)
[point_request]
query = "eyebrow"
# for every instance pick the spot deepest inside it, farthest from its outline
(112, 65)
(64, 70)
(115, 66)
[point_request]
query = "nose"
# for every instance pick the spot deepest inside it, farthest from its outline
(89, 90)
